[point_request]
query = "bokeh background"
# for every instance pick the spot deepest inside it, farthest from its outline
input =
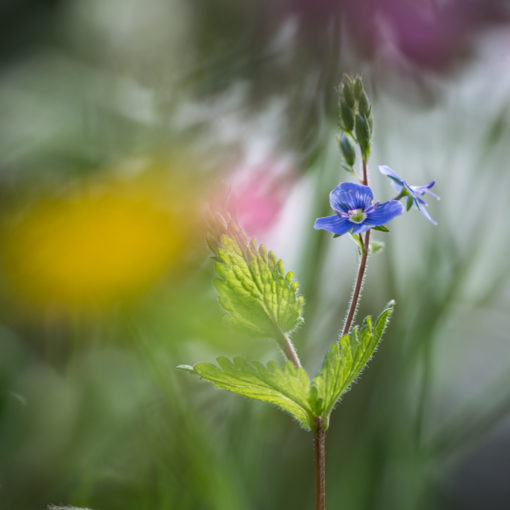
(123, 124)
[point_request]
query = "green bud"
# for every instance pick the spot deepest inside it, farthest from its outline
(381, 228)
(364, 105)
(358, 88)
(362, 131)
(346, 117)
(347, 149)
(370, 121)
(347, 78)
(348, 95)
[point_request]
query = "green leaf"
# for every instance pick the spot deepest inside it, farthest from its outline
(348, 169)
(253, 287)
(359, 242)
(345, 361)
(287, 387)
(381, 228)
(375, 246)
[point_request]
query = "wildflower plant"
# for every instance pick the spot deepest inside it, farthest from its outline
(257, 293)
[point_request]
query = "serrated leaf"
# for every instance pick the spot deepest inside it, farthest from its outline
(287, 387)
(345, 361)
(254, 289)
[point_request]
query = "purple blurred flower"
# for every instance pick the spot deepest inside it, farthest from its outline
(432, 35)
(412, 193)
(355, 211)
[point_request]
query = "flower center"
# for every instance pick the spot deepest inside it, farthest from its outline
(357, 215)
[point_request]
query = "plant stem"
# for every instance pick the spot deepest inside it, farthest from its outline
(287, 347)
(290, 352)
(362, 265)
(319, 446)
(357, 287)
(365, 174)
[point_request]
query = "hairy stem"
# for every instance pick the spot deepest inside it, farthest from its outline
(287, 347)
(319, 447)
(357, 287)
(290, 352)
(362, 265)
(365, 174)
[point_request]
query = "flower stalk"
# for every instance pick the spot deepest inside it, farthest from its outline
(357, 287)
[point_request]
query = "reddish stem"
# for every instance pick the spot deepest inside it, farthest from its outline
(357, 287)
(319, 444)
(287, 347)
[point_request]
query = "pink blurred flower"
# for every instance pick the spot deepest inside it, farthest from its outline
(257, 194)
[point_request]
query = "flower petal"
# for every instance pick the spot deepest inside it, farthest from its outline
(334, 224)
(421, 190)
(398, 182)
(359, 228)
(349, 195)
(386, 170)
(384, 213)
(424, 212)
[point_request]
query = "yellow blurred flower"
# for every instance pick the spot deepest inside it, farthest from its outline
(104, 242)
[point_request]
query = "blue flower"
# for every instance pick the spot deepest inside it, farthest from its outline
(355, 211)
(412, 193)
